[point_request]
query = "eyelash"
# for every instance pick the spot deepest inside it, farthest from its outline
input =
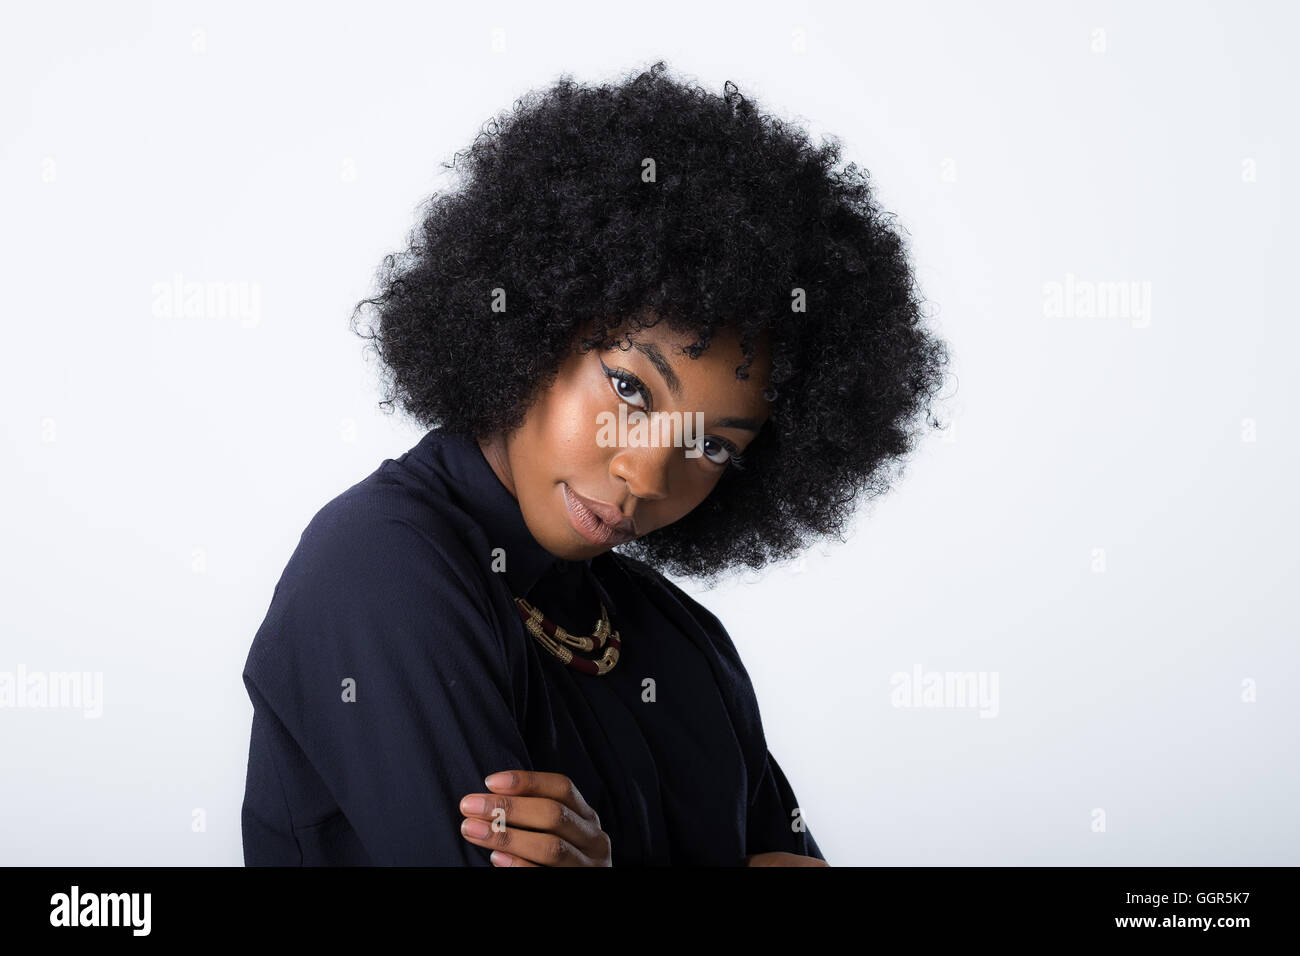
(734, 459)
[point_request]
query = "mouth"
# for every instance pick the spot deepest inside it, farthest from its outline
(588, 518)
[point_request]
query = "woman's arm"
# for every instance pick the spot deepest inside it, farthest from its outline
(381, 668)
(776, 825)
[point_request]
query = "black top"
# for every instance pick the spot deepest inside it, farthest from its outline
(392, 674)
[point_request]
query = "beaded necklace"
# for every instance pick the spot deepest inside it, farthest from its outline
(565, 646)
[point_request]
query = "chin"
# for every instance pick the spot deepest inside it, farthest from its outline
(575, 551)
(563, 542)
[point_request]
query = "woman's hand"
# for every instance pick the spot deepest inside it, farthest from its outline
(540, 818)
(783, 859)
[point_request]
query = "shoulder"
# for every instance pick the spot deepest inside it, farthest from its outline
(377, 572)
(385, 533)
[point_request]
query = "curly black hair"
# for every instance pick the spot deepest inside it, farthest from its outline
(654, 200)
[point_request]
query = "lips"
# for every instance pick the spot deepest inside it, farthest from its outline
(596, 521)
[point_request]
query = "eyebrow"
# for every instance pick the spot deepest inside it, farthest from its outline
(748, 424)
(657, 359)
(651, 351)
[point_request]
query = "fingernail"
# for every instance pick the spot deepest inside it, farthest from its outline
(501, 780)
(474, 828)
(473, 805)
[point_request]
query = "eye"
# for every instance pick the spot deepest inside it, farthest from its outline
(627, 386)
(731, 454)
(722, 449)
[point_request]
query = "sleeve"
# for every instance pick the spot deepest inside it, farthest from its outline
(382, 692)
(773, 824)
(267, 825)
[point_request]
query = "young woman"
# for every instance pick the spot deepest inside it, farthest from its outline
(492, 603)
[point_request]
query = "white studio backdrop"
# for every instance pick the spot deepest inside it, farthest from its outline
(1098, 206)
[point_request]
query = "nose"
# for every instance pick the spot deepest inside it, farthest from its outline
(645, 469)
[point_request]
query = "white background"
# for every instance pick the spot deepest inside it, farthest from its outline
(159, 471)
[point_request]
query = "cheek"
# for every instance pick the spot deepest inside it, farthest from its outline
(570, 420)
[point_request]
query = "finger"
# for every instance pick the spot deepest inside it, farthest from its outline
(532, 813)
(540, 783)
(505, 859)
(544, 849)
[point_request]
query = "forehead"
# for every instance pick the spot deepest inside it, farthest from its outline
(723, 348)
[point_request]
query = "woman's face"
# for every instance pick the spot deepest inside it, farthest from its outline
(568, 447)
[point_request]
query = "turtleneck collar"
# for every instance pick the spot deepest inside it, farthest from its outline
(480, 493)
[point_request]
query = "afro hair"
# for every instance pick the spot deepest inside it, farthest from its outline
(654, 199)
